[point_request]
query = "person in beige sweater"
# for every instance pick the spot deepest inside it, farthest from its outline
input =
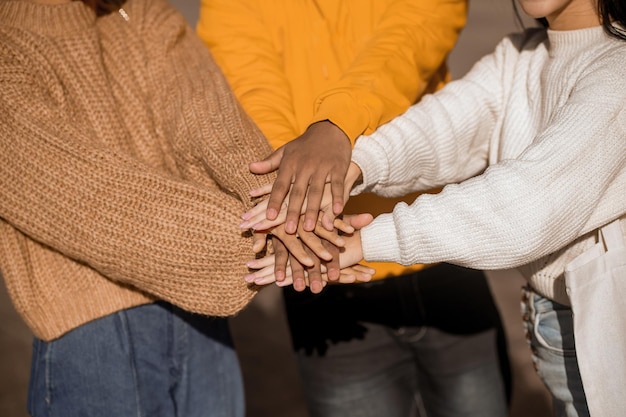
(124, 170)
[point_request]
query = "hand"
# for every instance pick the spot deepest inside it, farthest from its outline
(256, 218)
(304, 166)
(317, 241)
(287, 267)
(301, 277)
(350, 255)
(350, 275)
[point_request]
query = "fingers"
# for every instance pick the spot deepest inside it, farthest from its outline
(297, 194)
(341, 224)
(294, 246)
(313, 201)
(281, 256)
(258, 241)
(297, 274)
(332, 265)
(316, 245)
(336, 187)
(280, 189)
(269, 164)
(256, 219)
(264, 190)
(315, 277)
(264, 271)
(358, 221)
(331, 236)
(358, 272)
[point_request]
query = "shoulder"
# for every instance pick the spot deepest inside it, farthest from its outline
(527, 41)
(153, 16)
(602, 72)
(516, 51)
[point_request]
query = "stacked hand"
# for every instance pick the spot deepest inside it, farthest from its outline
(311, 246)
(295, 262)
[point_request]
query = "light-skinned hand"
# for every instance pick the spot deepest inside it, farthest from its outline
(349, 255)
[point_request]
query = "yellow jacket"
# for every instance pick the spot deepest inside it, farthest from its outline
(357, 63)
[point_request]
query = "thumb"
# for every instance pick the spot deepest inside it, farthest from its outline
(268, 164)
(359, 221)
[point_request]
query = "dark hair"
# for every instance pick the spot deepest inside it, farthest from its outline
(104, 7)
(613, 11)
(610, 11)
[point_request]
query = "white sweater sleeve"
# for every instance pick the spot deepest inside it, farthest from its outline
(441, 140)
(519, 209)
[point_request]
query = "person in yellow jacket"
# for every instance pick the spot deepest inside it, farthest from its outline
(325, 72)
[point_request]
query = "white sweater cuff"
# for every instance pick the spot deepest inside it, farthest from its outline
(380, 240)
(370, 157)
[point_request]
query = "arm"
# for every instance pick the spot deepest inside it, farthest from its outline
(172, 236)
(239, 40)
(520, 209)
(445, 138)
(403, 59)
(403, 156)
(395, 67)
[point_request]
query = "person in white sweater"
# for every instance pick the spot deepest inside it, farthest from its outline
(531, 148)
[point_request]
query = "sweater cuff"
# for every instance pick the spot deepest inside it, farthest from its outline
(370, 157)
(379, 240)
(342, 110)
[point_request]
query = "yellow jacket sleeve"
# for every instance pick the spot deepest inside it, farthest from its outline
(404, 59)
(242, 47)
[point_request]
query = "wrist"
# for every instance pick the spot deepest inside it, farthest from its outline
(329, 129)
(354, 176)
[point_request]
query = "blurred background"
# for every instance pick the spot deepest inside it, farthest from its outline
(260, 332)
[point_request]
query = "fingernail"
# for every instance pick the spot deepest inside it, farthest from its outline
(249, 278)
(316, 286)
(290, 227)
(271, 214)
(309, 225)
(244, 225)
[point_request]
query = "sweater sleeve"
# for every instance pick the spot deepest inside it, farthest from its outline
(409, 45)
(173, 237)
(520, 209)
(241, 44)
(204, 120)
(443, 139)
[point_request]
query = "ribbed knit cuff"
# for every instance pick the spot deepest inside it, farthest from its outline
(369, 156)
(342, 110)
(380, 240)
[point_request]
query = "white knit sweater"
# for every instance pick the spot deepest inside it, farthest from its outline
(540, 128)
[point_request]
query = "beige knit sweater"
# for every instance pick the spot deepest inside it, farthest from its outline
(123, 166)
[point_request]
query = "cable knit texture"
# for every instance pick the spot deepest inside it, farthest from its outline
(124, 166)
(541, 126)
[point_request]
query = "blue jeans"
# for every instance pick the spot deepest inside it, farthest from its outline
(153, 360)
(550, 332)
(423, 344)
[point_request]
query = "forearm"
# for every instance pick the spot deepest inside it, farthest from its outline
(207, 124)
(403, 59)
(518, 210)
(238, 38)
